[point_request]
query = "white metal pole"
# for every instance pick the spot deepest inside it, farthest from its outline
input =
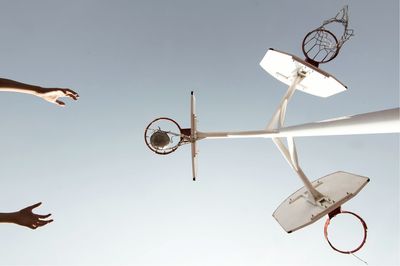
(380, 122)
(386, 121)
(313, 194)
(279, 115)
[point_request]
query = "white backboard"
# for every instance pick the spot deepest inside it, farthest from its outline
(284, 67)
(297, 211)
(193, 134)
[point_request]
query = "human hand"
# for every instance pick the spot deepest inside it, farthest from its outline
(52, 95)
(26, 217)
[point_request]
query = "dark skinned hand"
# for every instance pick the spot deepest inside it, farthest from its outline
(26, 217)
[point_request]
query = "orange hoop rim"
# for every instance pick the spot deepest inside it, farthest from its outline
(363, 223)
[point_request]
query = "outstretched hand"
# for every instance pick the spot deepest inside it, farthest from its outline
(26, 217)
(52, 95)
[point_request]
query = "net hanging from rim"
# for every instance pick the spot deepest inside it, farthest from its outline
(321, 45)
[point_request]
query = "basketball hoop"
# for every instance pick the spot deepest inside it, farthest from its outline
(321, 45)
(163, 136)
(335, 213)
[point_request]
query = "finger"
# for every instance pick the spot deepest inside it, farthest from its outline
(41, 223)
(33, 206)
(40, 216)
(32, 226)
(71, 93)
(60, 103)
(72, 96)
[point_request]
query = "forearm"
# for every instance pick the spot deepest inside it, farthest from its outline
(48, 94)
(15, 86)
(7, 217)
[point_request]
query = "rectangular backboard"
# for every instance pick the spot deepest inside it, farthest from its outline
(193, 135)
(297, 211)
(284, 67)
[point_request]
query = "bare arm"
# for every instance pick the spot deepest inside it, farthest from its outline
(48, 94)
(25, 217)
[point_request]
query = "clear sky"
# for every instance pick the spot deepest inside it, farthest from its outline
(116, 202)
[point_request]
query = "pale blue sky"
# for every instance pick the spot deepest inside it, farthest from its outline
(115, 202)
